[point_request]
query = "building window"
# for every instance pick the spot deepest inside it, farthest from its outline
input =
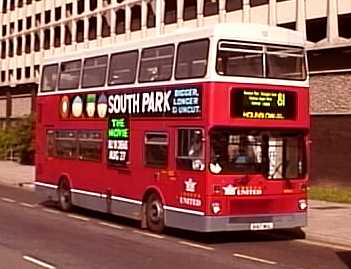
(20, 25)
(4, 30)
(156, 64)
(27, 72)
(3, 76)
(18, 73)
(156, 149)
(28, 22)
(211, 7)
(190, 149)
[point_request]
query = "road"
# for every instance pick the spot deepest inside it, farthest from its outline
(34, 235)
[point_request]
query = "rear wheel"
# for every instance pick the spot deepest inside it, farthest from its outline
(155, 214)
(64, 195)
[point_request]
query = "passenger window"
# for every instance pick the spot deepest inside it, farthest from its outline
(192, 59)
(94, 72)
(190, 150)
(50, 140)
(69, 75)
(123, 68)
(156, 149)
(49, 78)
(90, 145)
(156, 64)
(66, 144)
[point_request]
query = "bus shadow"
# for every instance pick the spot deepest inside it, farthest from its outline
(96, 215)
(199, 237)
(232, 236)
(345, 257)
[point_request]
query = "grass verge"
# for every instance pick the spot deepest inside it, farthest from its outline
(330, 194)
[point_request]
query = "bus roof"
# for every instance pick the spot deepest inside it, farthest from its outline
(257, 33)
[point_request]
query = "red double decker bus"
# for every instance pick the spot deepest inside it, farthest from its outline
(202, 129)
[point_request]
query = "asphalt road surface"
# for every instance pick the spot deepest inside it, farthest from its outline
(35, 235)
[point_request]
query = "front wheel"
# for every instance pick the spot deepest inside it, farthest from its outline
(155, 214)
(64, 196)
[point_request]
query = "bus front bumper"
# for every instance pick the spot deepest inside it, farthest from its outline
(235, 223)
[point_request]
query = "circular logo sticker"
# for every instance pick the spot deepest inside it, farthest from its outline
(77, 106)
(64, 107)
(102, 106)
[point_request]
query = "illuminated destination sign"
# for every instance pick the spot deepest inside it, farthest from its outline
(263, 104)
(118, 140)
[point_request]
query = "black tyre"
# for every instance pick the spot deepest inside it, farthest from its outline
(155, 219)
(64, 196)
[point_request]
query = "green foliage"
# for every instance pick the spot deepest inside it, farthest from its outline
(331, 194)
(17, 140)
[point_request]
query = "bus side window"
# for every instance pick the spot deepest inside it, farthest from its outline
(156, 149)
(123, 68)
(94, 72)
(69, 75)
(49, 78)
(192, 59)
(89, 145)
(156, 64)
(50, 141)
(66, 144)
(190, 149)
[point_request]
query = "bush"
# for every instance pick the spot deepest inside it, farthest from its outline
(19, 139)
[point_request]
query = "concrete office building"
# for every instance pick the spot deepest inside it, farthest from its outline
(33, 29)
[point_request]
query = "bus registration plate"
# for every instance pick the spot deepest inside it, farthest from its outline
(261, 226)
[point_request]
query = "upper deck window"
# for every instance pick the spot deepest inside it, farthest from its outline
(94, 72)
(237, 59)
(69, 75)
(156, 64)
(286, 63)
(123, 68)
(192, 59)
(260, 60)
(49, 78)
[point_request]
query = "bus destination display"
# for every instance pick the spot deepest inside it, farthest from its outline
(118, 140)
(262, 104)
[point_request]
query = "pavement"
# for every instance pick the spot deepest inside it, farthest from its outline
(328, 223)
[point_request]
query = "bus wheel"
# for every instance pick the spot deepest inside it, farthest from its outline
(155, 214)
(64, 196)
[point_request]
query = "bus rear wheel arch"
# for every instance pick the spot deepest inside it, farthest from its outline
(64, 195)
(154, 213)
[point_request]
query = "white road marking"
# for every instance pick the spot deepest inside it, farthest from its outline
(28, 205)
(195, 245)
(253, 258)
(8, 200)
(51, 211)
(78, 217)
(149, 234)
(39, 262)
(114, 226)
(320, 244)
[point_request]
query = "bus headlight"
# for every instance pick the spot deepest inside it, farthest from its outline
(303, 204)
(216, 207)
